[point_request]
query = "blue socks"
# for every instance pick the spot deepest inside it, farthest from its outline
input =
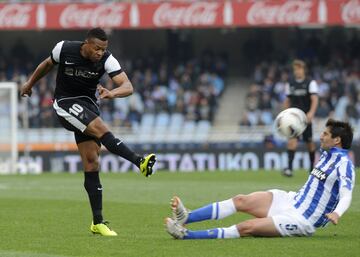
(215, 233)
(214, 211)
(202, 234)
(203, 213)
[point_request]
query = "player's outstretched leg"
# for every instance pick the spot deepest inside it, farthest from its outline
(214, 211)
(179, 232)
(98, 129)
(254, 227)
(146, 164)
(256, 204)
(118, 147)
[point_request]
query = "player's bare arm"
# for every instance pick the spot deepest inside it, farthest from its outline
(314, 104)
(44, 68)
(124, 87)
(286, 104)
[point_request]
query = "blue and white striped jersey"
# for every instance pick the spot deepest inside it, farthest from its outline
(321, 192)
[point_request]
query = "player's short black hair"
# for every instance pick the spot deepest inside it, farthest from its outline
(299, 63)
(98, 33)
(341, 129)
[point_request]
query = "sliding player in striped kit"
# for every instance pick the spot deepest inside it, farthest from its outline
(325, 197)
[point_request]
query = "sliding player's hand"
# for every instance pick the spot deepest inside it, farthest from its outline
(104, 92)
(333, 217)
(25, 90)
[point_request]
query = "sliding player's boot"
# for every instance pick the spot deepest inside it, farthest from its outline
(180, 213)
(174, 229)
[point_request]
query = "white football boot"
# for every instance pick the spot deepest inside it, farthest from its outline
(180, 213)
(174, 229)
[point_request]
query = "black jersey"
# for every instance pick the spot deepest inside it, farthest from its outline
(76, 75)
(299, 93)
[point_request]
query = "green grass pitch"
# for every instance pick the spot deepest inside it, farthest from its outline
(49, 216)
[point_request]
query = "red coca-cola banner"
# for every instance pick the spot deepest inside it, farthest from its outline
(75, 16)
(344, 12)
(17, 16)
(276, 13)
(197, 14)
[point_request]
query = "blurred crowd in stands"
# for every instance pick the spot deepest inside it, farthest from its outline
(191, 88)
(336, 68)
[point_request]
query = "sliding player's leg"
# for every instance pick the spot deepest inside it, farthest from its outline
(89, 152)
(253, 227)
(98, 129)
(256, 204)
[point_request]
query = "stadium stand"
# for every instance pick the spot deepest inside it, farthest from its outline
(181, 98)
(175, 101)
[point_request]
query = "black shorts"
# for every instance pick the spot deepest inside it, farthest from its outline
(306, 136)
(75, 114)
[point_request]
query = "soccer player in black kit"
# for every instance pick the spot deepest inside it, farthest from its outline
(301, 93)
(80, 67)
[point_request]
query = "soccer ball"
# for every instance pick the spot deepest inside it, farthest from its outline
(291, 122)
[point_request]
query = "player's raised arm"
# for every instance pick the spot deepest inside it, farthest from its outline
(41, 70)
(124, 87)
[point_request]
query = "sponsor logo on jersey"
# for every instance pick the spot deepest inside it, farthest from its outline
(299, 92)
(69, 71)
(319, 174)
(80, 73)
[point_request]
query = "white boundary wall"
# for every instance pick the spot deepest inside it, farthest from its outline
(11, 166)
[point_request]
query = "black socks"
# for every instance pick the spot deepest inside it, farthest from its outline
(116, 146)
(312, 159)
(291, 154)
(94, 190)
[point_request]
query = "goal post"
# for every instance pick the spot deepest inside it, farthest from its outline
(8, 127)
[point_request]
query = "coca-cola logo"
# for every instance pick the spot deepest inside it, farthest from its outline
(106, 15)
(288, 12)
(15, 15)
(196, 14)
(351, 12)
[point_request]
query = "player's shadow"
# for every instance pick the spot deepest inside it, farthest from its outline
(332, 235)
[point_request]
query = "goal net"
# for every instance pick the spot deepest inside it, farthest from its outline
(8, 127)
